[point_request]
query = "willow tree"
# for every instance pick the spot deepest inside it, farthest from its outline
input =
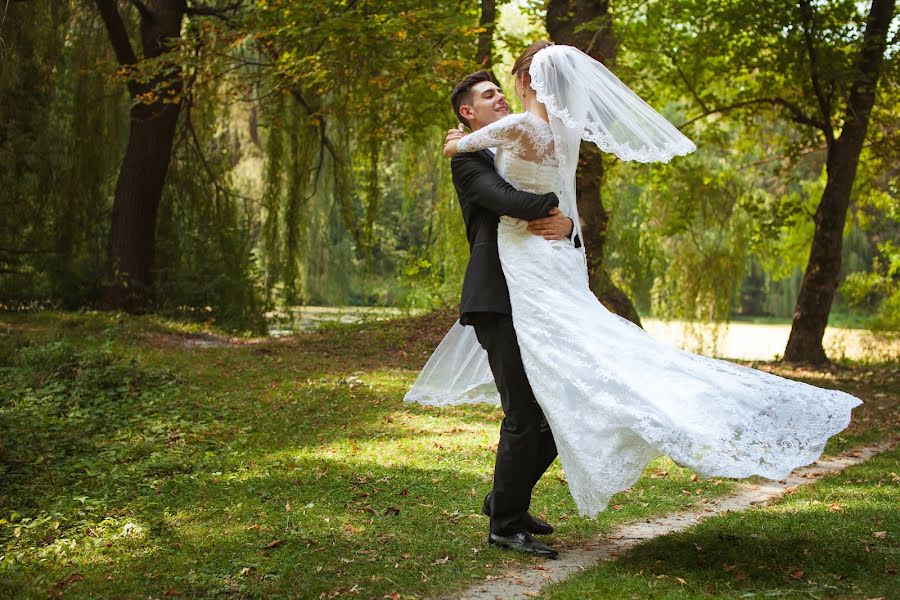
(155, 83)
(813, 65)
(366, 79)
(60, 138)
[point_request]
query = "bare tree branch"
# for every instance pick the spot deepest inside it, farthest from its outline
(684, 78)
(797, 114)
(199, 9)
(118, 35)
(806, 12)
(142, 9)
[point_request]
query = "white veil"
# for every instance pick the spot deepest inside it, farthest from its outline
(585, 101)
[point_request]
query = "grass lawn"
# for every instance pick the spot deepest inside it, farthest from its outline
(142, 457)
(837, 538)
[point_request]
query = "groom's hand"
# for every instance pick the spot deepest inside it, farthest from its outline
(555, 227)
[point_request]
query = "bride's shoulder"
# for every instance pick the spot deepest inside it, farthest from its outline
(519, 119)
(512, 122)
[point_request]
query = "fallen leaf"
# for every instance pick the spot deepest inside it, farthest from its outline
(57, 587)
(531, 594)
(391, 511)
(617, 507)
(798, 574)
(880, 534)
(441, 561)
(740, 576)
(274, 543)
(287, 506)
(726, 567)
(680, 580)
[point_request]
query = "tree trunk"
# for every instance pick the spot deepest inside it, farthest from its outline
(153, 117)
(821, 277)
(483, 56)
(563, 18)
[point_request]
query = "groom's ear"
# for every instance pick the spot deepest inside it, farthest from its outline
(467, 112)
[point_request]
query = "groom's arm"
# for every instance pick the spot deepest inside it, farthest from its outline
(478, 180)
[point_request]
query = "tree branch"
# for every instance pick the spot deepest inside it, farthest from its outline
(118, 35)
(686, 82)
(809, 24)
(142, 9)
(309, 110)
(797, 113)
(198, 9)
(867, 66)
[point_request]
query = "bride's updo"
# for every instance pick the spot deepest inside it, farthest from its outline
(523, 63)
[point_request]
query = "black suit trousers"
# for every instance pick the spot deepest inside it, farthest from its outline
(526, 448)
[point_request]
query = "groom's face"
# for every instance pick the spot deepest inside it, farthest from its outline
(488, 105)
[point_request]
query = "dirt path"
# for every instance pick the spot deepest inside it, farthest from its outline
(528, 582)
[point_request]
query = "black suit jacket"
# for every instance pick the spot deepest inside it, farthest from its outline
(484, 197)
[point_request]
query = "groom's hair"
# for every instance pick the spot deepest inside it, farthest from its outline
(462, 93)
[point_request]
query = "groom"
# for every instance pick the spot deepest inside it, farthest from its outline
(526, 447)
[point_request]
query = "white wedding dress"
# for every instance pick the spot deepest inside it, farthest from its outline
(615, 397)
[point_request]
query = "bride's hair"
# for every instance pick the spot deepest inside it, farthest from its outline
(523, 63)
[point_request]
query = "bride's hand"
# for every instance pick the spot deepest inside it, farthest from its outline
(450, 140)
(450, 149)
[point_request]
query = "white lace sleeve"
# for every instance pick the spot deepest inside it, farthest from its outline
(505, 133)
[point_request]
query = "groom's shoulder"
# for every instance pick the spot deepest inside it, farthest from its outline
(469, 161)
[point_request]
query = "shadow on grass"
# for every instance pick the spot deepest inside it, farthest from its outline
(837, 539)
(313, 526)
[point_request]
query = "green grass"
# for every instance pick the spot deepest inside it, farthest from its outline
(133, 463)
(838, 538)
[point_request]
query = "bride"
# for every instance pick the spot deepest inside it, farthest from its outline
(614, 397)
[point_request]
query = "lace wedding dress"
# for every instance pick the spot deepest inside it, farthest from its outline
(615, 397)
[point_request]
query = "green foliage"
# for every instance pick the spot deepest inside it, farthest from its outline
(713, 66)
(307, 167)
(877, 293)
(57, 176)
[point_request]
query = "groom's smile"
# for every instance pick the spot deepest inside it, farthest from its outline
(488, 104)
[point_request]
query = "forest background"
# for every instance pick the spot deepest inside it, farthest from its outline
(227, 160)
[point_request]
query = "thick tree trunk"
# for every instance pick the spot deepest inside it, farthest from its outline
(153, 116)
(821, 277)
(484, 54)
(563, 18)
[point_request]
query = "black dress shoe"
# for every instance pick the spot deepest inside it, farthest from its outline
(534, 525)
(523, 542)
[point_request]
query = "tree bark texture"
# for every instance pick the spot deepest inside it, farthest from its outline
(156, 105)
(598, 41)
(484, 53)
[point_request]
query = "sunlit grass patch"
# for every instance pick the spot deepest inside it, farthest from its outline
(837, 538)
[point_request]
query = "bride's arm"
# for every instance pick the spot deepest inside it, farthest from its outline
(503, 133)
